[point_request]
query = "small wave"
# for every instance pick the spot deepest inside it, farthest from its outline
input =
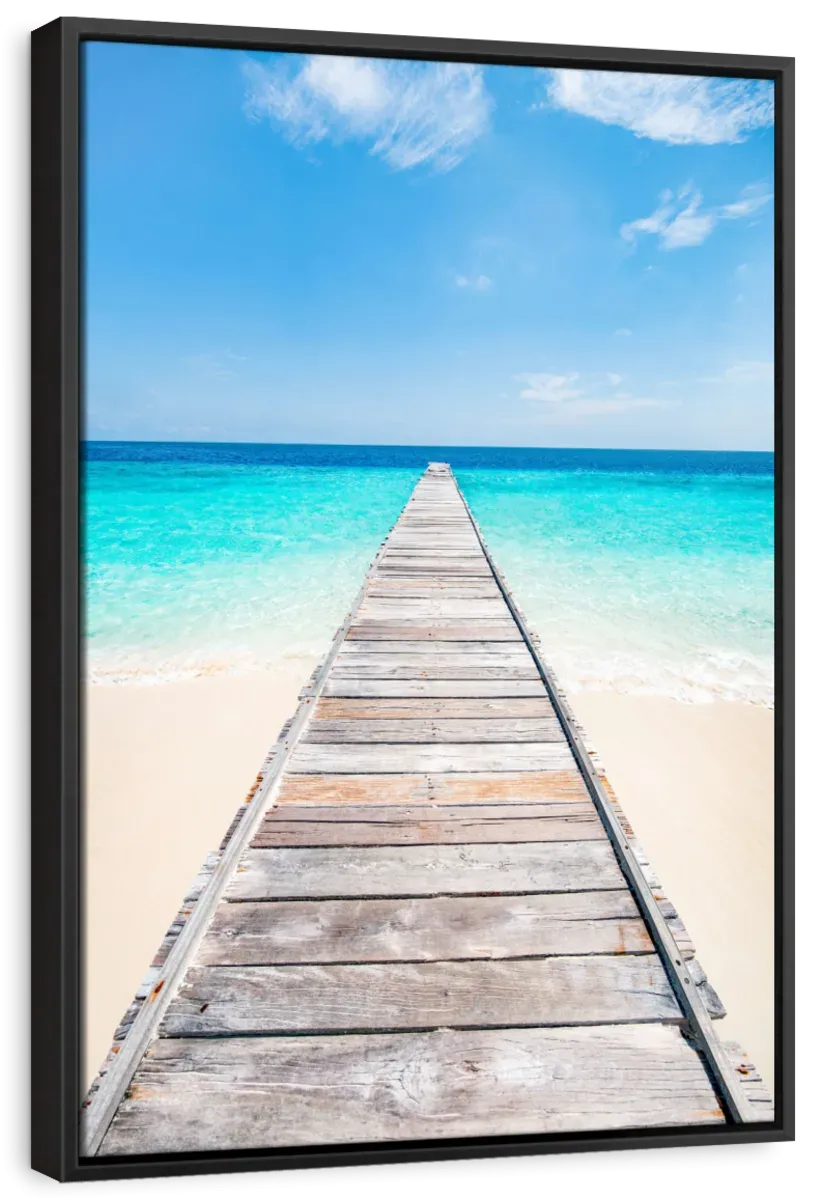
(720, 676)
(175, 670)
(690, 683)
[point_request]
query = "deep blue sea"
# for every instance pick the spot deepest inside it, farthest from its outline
(643, 571)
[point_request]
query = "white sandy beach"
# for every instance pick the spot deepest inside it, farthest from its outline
(168, 766)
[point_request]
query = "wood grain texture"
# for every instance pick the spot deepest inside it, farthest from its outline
(477, 610)
(441, 555)
(447, 564)
(418, 645)
(553, 825)
(304, 873)
(244, 1093)
(352, 759)
(592, 989)
(430, 708)
(399, 589)
(518, 787)
(473, 651)
(425, 929)
(436, 630)
(440, 688)
(394, 813)
(440, 666)
(435, 730)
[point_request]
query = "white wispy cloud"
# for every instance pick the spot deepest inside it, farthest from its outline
(623, 332)
(743, 372)
(478, 283)
(564, 399)
(681, 220)
(410, 113)
(678, 109)
(752, 198)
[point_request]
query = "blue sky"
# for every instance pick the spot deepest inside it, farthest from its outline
(291, 249)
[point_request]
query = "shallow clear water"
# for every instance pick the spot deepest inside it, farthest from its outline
(642, 571)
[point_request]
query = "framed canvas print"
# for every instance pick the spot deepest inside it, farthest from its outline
(413, 567)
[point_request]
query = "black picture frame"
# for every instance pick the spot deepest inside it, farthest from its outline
(57, 889)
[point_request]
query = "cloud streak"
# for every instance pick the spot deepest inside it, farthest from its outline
(678, 109)
(476, 283)
(680, 220)
(745, 372)
(410, 114)
(567, 399)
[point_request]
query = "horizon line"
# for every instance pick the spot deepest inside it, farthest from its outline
(424, 446)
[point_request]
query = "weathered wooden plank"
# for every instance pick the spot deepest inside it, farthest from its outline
(338, 758)
(433, 811)
(381, 609)
(430, 579)
(593, 989)
(528, 787)
(435, 566)
(425, 871)
(751, 1080)
(476, 650)
(430, 708)
(436, 631)
(441, 554)
(421, 656)
(452, 730)
(414, 589)
(423, 543)
(422, 540)
(461, 827)
(440, 666)
(439, 688)
(427, 929)
(247, 1093)
(431, 564)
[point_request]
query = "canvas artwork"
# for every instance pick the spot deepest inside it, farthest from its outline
(427, 508)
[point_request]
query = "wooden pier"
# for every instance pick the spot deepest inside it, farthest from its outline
(430, 919)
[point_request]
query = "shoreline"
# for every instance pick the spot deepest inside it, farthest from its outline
(169, 764)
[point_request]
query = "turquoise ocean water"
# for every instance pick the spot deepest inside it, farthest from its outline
(643, 571)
